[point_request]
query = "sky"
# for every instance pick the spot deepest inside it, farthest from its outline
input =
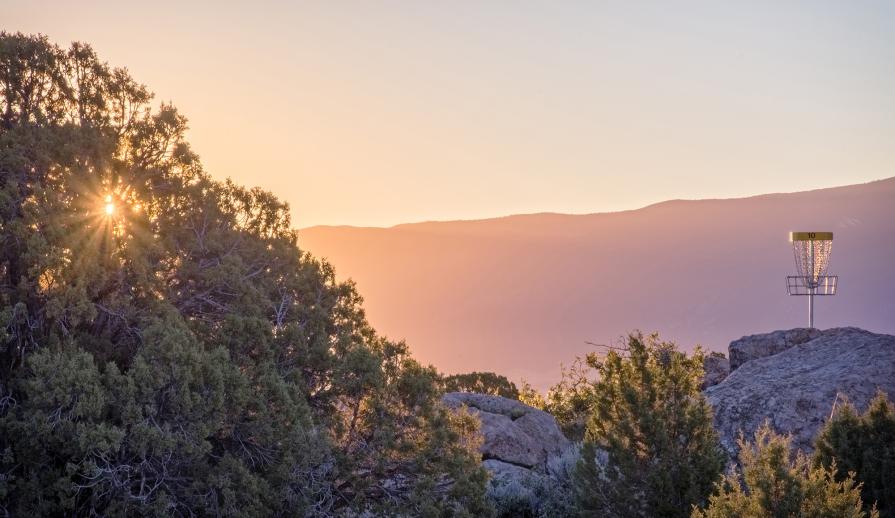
(379, 113)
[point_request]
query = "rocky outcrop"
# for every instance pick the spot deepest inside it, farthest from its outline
(793, 379)
(790, 378)
(758, 346)
(716, 367)
(518, 439)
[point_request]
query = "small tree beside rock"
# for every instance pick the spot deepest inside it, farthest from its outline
(650, 448)
(863, 446)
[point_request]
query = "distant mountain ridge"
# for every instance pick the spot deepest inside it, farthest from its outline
(521, 294)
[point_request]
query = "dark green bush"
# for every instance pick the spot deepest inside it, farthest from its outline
(863, 445)
(650, 448)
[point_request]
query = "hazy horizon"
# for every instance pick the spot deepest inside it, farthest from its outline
(589, 213)
(402, 112)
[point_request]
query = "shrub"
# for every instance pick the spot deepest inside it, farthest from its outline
(531, 397)
(653, 428)
(514, 497)
(570, 400)
(863, 445)
(481, 383)
(538, 495)
(771, 483)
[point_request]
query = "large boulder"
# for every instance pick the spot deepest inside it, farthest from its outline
(518, 439)
(796, 387)
(758, 346)
(715, 368)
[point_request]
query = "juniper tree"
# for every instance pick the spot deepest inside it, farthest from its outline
(481, 383)
(165, 346)
(649, 447)
(864, 446)
(773, 483)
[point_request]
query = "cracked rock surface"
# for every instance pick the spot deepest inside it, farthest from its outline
(792, 379)
(716, 369)
(753, 347)
(518, 439)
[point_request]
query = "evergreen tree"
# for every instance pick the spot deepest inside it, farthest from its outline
(650, 448)
(481, 383)
(166, 348)
(771, 484)
(863, 446)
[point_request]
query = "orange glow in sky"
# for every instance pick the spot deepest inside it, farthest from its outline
(382, 113)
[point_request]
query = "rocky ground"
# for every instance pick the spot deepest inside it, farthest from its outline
(794, 378)
(791, 378)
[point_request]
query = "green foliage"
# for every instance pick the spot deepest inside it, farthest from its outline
(182, 356)
(531, 397)
(771, 483)
(571, 399)
(650, 448)
(481, 383)
(863, 446)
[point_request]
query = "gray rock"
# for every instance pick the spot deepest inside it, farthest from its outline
(795, 389)
(503, 471)
(716, 368)
(515, 434)
(758, 346)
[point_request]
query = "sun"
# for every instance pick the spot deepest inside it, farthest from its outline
(110, 207)
(116, 213)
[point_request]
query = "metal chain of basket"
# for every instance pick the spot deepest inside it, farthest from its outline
(812, 258)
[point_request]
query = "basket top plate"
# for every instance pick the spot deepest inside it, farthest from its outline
(810, 236)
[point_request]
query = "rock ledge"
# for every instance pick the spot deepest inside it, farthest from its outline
(792, 379)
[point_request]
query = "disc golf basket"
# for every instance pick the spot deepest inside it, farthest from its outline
(812, 255)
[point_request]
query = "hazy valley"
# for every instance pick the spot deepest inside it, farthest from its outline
(518, 295)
